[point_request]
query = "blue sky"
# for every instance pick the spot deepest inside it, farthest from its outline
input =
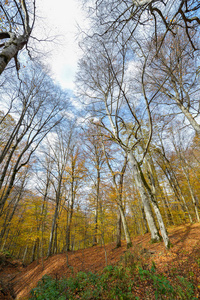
(59, 19)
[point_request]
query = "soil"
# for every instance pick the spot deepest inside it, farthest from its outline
(184, 258)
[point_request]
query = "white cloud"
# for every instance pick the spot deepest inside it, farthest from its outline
(59, 19)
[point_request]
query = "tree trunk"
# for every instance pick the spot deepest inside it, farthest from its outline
(144, 220)
(119, 229)
(185, 171)
(155, 237)
(157, 188)
(53, 229)
(97, 207)
(125, 226)
(11, 49)
(171, 177)
(71, 208)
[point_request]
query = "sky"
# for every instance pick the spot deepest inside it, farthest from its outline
(59, 19)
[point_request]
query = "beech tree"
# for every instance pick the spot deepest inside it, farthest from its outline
(58, 153)
(17, 22)
(103, 78)
(95, 160)
(111, 18)
(75, 174)
(174, 73)
(118, 182)
(38, 109)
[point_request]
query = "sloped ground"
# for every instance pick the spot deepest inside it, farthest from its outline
(182, 258)
(9, 269)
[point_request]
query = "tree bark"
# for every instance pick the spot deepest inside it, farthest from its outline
(119, 229)
(11, 49)
(155, 237)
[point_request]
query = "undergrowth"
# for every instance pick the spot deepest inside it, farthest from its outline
(130, 279)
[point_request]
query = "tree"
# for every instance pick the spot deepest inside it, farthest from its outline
(75, 173)
(112, 18)
(118, 181)
(17, 22)
(16, 196)
(58, 153)
(104, 80)
(38, 109)
(166, 165)
(94, 157)
(173, 72)
(186, 171)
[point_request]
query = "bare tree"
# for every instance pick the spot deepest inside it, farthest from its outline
(17, 22)
(59, 151)
(180, 151)
(104, 79)
(95, 160)
(37, 110)
(118, 180)
(75, 174)
(16, 196)
(174, 73)
(131, 17)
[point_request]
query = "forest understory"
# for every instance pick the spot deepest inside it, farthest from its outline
(182, 260)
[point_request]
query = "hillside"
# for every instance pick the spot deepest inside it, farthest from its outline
(182, 258)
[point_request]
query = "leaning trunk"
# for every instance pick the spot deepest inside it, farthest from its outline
(155, 237)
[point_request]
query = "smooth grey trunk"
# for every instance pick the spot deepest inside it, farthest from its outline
(155, 187)
(55, 244)
(188, 115)
(11, 49)
(97, 205)
(160, 221)
(191, 192)
(144, 220)
(119, 191)
(119, 229)
(167, 203)
(25, 253)
(125, 226)
(162, 226)
(33, 251)
(171, 177)
(186, 173)
(144, 197)
(54, 221)
(68, 233)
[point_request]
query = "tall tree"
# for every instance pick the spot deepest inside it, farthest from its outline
(75, 174)
(59, 152)
(105, 81)
(118, 182)
(94, 157)
(17, 22)
(174, 73)
(37, 110)
(161, 18)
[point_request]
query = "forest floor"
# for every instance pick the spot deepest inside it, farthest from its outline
(16, 281)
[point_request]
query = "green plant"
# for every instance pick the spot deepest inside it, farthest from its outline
(198, 262)
(161, 284)
(186, 290)
(6, 254)
(50, 289)
(113, 283)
